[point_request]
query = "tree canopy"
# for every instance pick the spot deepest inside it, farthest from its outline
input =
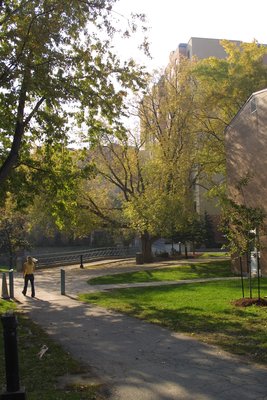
(58, 73)
(61, 82)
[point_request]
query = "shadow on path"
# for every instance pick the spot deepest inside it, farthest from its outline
(143, 361)
(140, 361)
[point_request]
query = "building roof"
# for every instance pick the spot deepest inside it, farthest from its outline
(253, 95)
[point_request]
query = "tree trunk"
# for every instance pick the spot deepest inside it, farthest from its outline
(13, 156)
(146, 242)
(21, 123)
(185, 251)
(194, 247)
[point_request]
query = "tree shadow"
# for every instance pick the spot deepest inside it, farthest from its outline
(137, 358)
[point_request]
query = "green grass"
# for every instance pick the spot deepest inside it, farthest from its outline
(4, 268)
(203, 310)
(214, 254)
(6, 306)
(182, 272)
(39, 376)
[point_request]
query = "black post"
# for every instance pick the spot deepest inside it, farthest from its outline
(11, 284)
(62, 280)
(13, 391)
(249, 272)
(242, 279)
(10, 262)
(81, 264)
(258, 274)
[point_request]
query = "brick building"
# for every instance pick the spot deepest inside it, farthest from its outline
(246, 158)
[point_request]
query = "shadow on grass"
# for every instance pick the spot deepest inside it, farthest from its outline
(216, 269)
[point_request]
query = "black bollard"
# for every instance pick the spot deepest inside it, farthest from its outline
(13, 391)
(62, 281)
(11, 283)
(81, 264)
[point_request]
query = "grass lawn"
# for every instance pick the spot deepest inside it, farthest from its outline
(203, 310)
(4, 268)
(39, 376)
(208, 254)
(212, 269)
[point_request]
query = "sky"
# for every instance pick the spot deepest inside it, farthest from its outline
(174, 21)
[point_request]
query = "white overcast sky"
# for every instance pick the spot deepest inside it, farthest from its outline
(174, 21)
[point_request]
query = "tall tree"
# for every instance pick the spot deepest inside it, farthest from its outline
(151, 174)
(57, 69)
(184, 115)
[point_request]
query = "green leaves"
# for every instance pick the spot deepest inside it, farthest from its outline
(13, 227)
(242, 225)
(55, 65)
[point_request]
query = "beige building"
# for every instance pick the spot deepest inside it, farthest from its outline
(200, 48)
(246, 155)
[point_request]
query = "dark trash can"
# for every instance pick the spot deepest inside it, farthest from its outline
(139, 259)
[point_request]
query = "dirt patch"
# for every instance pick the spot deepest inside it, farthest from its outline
(79, 379)
(83, 383)
(246, 302)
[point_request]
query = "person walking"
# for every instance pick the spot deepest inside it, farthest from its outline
(28, 273)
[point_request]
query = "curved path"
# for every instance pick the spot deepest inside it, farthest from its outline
(137, 360)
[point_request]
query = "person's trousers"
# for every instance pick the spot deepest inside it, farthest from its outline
(27, 278)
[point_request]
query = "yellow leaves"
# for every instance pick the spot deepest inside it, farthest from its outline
(154, 212)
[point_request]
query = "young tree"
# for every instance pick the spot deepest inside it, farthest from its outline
(242, 227)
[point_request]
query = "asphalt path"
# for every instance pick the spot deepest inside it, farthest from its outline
(135, 359)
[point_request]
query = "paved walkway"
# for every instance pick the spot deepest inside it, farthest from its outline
(138, 360)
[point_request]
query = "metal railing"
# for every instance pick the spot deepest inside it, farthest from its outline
(82, 256)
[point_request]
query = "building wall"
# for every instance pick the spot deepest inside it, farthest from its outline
(200, 48)
(205, 48)
(246, 155)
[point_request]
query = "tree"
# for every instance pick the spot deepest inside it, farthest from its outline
(167, 126)
(209, 239)
(183, 115)
(221, 87)
(56, 70)
(151, 173)
(242, 227)
(13, 227)
(126, 192)
(119, 180)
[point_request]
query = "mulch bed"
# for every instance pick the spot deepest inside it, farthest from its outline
(246, 302)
